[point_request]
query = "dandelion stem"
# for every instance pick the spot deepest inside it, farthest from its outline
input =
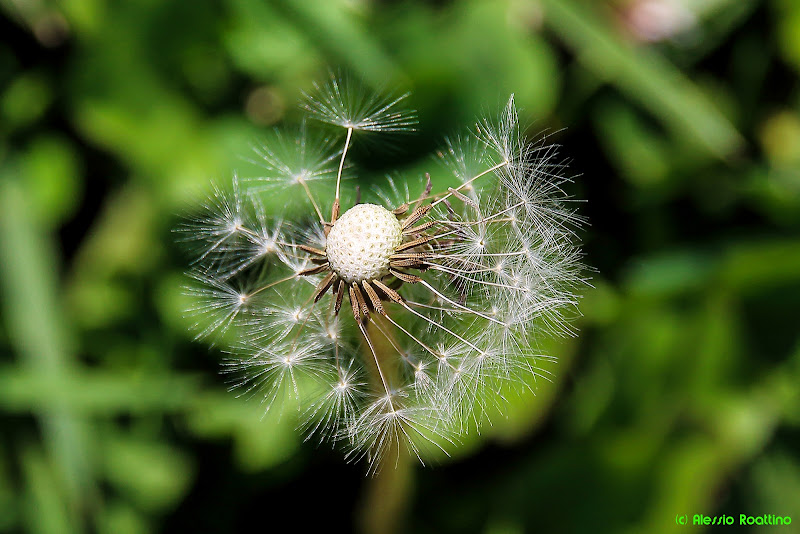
(434, 323)
(483, 254)
(336, 356)
(456, 304)
(491, 218)
(461, 275)
(403, 354)
(275, 283)
(438, 355)
(214, 246)
(305, 320)
(487, 171)
(409, 334)
(302, 182)
(244, 230)
(341, 163)
(377, 364)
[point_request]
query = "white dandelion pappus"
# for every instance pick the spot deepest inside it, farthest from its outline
(449, 293)
(343, 102)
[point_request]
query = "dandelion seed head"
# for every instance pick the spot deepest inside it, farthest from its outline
(397, 325)
(361, 242)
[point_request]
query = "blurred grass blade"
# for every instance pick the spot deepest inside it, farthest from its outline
(37, 331)
(95, 393)
(42, 504)
(337, 31)
(646, 77)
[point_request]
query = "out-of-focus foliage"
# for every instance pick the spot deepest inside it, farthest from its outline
(680, 396)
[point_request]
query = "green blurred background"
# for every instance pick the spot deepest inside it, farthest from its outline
(680, 395)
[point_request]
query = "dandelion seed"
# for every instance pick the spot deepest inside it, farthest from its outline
(400, 323)
(343, 102)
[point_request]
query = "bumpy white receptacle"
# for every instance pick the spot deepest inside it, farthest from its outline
(361, 242)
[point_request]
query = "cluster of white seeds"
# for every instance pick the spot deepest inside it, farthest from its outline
(361, 241)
